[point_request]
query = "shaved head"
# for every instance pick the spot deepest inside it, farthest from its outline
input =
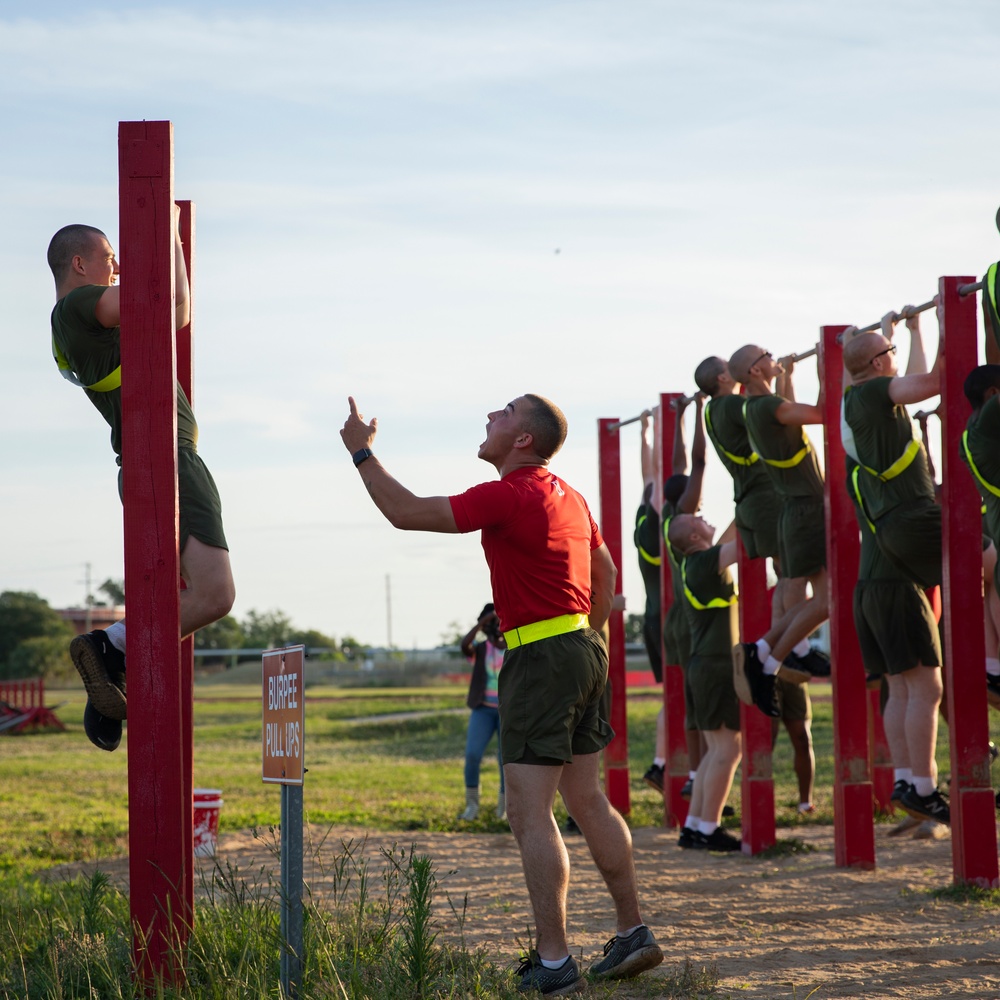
(706, 375)
(546, 425)
(743, 360)
(859, 351)
(70, 242)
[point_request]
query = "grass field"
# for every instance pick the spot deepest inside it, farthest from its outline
(62, 800)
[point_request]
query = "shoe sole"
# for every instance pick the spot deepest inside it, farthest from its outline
(921, 816)
(104, 695)
(793, 675)
(654, 785)
(561, 991)
(633, 965)
(740, 680)
(904, 825)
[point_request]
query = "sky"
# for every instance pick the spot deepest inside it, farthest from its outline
(438, 206)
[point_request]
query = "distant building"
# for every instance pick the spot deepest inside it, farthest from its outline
(87, 619)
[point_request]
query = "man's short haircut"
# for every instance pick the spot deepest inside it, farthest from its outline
(978, 381)
(546, 424)
(679, 532)
(859, 352)
(674, 487)
(706, 375)
(67, 243)
(742, 361)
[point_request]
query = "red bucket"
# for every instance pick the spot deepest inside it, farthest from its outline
(207, 803)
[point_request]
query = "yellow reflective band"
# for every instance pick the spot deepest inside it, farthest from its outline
(857, 492)
(544, 630)
(109, 382)
(902, 463)
(652, 560)
(106, 384)
(715, 602)
(778, 463)
(991, 285)
(995, 490)
(736, 459)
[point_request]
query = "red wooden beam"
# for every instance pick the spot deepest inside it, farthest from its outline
(616, 781)
(973, 815)
(159, 816)
(675, 774)
(757, 781)
(853, 820)
(882, 769)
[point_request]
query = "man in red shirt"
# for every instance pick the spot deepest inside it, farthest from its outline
(553, 583)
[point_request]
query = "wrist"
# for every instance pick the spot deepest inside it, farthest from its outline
(362, 455)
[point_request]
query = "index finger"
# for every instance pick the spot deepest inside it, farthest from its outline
(353, 406)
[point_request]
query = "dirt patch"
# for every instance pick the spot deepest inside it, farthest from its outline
(792, 926)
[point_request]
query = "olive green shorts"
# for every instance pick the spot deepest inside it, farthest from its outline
(715, 701)
(895, 625)
(911, 537)
(690, 721)
(677, 635)
(200, 513)
(801, 536)
(757, 522)
(793, 700)
(550, 699)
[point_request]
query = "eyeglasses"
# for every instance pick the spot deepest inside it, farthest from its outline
(766, 354)
(891, 349)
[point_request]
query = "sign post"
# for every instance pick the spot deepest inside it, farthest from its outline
(283, 751)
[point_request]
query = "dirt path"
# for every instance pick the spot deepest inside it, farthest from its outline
(776, 928)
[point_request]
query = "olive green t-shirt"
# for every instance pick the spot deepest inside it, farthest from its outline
(983, 440)
(647, 542)
(778, 442)
(713, 630)
(673, 557)
(882, 431)
(728, 434)
(93, 353)
(873, 563)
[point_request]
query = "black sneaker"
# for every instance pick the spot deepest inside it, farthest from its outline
(571, 828)
(873, 682)
(687, 789)
(625, 957)
(103, 732)
(687, 838)
(654, 777)
(102, 669)
(898, 790)
(801, 669)
(728, 811)
(549, 982)
(720, 840)
(933, 806)
(993, 689)
(748, 675)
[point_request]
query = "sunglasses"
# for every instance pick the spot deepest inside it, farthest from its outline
(891, 349)
(766, 354)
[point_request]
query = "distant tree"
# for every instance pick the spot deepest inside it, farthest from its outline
(114, 590)
(42, 656)
(454, 633)
(226, 633)
(351, 648)
(25, 616)
(633, 628)
(313, 639)
(267, 629)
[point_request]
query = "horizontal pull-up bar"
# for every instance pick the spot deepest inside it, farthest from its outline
(805, 354)
(625, 423)
(680, 399)
(923, 307)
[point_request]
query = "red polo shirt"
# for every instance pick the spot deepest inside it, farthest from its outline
(537, 534)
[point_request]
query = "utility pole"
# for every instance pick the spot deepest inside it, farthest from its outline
(388, 610)
(89, 599)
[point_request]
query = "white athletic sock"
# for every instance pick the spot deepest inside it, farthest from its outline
(116, 635)
(902, 774)
(692, 822)
(992, 666)
(805, 807)
(771, 665)
(763, 650)
(692, 775)
(550, 963)
(707, 827)
(660, 761)
(924, 786)
(801, 648)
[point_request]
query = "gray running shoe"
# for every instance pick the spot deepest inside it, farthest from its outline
(549, 982)
(625, 957)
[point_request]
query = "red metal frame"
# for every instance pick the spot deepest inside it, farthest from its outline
(616, 777)
(882, 770)
(675, 774)
(757, 781)
(853, 820)
(160, 824)
(23, 709)
(973, 810)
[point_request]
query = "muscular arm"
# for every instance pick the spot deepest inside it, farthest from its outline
(402, 509)
(791, 414)
(602, 586)
(690, 499)
(680, 460)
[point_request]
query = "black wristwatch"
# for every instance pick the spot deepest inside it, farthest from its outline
(359, 456)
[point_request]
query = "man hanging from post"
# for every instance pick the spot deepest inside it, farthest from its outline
(553, 583)
(85, 343)
(774, 425)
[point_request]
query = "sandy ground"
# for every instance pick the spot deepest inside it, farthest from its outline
(793, 926)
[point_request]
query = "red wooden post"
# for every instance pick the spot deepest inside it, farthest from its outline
(882, 770)
(616, 780)
(973, 816)
(853, 820)
(757, 782)
(159, 818)
(676, 771)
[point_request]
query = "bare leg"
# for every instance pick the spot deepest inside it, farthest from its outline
(661, 736)
(695, 748)
(923, 697)
(531, 790)
(894, 720)
(716, 773)
(805, 762)
(606, 834)
(210, 589)
(805, 618)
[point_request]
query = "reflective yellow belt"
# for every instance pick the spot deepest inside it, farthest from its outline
(652, 560)
(715, 602)
(736, 459)
(544, 630)
(857, 492)
(106, 384)
(778, 463)
(990, 285)
(972, 465)
(902, 463)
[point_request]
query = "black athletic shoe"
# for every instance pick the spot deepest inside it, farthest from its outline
(933, 806)
(549, 982)
(728, 811)
(570, 827)
(748, 675)
(654, 777)
(899, 790)
(993, 689)
(625, 957)
(103, 732)
(720, 840)
(687, 789)
(687, 838)
(812, 664)
(102, 669)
